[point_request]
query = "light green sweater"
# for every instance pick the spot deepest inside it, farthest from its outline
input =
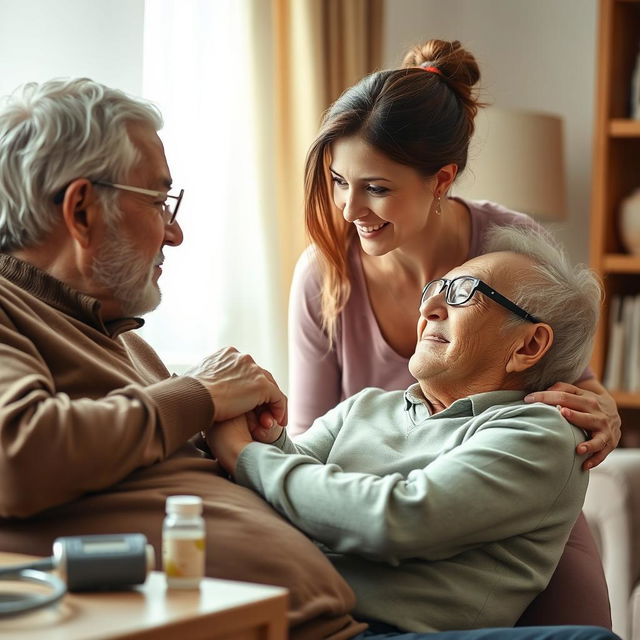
(450, 521)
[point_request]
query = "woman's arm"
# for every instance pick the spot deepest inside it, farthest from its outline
(589, 406)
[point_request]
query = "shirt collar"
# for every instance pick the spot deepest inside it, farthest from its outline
(60, 296)
(473, 405)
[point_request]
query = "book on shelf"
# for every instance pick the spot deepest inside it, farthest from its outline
(622, 369)
(613, 368)
(634, 347)
(634, 102)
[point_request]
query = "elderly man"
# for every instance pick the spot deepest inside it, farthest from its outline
(448, 506)
(94, 432)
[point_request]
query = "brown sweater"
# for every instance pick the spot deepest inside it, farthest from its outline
(95, 433)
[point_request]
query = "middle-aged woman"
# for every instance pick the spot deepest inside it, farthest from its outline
(391, 146)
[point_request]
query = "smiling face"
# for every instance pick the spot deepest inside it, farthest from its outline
(388, 203)
(466, 349)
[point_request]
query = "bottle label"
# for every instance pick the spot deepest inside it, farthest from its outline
(183, 557)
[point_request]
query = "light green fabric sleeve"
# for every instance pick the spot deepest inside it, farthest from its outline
(516, 470)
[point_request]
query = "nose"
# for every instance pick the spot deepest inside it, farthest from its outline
(434, 308)
(173, 235)
(352, 210)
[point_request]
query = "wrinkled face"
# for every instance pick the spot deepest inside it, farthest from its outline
(388, 203)
(129, 263)
(458, 345)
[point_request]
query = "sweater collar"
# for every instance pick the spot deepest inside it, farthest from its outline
(60, 296)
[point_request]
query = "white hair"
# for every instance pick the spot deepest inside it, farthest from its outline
(565, 296)
(53, 133)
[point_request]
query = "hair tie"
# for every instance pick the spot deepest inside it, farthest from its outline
(426, 66)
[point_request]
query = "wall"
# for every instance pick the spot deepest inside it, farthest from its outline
(42, 39)
(537, 55)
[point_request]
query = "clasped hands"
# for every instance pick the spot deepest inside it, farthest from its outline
(228, 438)
(246, 399)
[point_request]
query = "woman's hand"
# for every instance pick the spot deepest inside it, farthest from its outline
(589, 406)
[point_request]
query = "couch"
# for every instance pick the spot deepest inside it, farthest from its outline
(612, 509)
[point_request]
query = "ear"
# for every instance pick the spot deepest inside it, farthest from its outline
(80, 211)
(444, 177)
(530, 347)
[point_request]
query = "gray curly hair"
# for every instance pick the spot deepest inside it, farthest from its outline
(53, 133)
(565, 296)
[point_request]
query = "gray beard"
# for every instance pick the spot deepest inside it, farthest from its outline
(120, 269)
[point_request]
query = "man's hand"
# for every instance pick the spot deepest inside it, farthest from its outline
(237, 385)
(227, 439)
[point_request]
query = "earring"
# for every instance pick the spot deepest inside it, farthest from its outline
(438, 208)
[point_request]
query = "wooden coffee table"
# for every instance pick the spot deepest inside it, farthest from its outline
(220, 609)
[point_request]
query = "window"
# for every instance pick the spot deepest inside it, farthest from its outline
(220, 287)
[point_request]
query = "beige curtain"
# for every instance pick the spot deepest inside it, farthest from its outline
(321, 48)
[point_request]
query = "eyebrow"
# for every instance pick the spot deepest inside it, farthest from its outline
(364, 178)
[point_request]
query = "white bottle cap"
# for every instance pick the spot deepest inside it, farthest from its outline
(184, 505)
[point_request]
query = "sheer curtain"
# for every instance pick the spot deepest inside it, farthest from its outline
(242, 85)
(203, 66)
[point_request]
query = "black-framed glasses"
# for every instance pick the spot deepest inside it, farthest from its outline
(171, 202)
(461, 289)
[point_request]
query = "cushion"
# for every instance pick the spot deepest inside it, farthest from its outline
(577, 592)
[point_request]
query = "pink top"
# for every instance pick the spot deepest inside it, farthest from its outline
(321, 376)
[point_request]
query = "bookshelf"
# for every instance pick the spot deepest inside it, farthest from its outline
(616, 173)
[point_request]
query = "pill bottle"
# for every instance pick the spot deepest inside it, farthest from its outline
(183, 542)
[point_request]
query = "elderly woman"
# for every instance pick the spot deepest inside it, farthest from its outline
(447, 506)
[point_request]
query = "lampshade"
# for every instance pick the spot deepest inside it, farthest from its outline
(516, 159)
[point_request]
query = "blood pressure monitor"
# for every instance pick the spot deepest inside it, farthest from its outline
(83, 563)
(87, 563)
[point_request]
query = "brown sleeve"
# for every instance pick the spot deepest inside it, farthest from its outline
(61, 438)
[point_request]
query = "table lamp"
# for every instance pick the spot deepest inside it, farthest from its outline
(516, 159)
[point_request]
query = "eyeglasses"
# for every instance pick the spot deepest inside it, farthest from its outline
(170, 206)
(460, 290)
